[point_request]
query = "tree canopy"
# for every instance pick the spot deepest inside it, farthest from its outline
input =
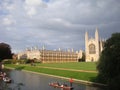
(109, 63)
(5, 51)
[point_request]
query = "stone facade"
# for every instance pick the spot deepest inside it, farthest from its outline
(50, 56)
(93, 47)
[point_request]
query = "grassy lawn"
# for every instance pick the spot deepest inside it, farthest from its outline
(76, 65)
(64, 73)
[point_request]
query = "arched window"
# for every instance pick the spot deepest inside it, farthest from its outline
(92, 49)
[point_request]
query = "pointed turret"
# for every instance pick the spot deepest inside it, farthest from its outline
(43, 48)
(86, 44)
(86, 36)
(59, 49)
(72, 50)
(97, 43)
(96, 35)
(86, 41)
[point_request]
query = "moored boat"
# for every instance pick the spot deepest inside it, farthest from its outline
(4, 77)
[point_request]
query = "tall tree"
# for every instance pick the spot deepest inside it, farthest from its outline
(109, 63)
(5, 51)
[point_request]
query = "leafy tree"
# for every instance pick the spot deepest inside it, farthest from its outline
(83, 58)
(5, 51)
(109, 63)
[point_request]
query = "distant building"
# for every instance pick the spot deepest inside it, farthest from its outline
(93, 47)
(50, 56)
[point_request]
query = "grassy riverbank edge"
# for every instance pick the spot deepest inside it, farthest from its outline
(62, 77)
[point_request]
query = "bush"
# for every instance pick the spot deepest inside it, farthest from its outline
(9, 61)
(14, 61)
(28, 61)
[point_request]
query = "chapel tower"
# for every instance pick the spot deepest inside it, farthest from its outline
(93, 47)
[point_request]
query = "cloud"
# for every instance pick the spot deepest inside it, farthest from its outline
(8, 21)
(62, 24)
(32, 5)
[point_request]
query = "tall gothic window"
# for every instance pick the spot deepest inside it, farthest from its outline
(92, 49)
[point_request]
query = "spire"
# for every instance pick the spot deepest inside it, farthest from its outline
(86, 36)
(59, 49)
(96, 34)
(72, 50)
(68, 50)
(43, 48)
(86, 42)
(35, 48)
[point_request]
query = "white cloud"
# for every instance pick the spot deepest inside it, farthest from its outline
(62, 24)
(8, 21)
(31, 11)
(33, 2)
(60, 21)
(31, 6)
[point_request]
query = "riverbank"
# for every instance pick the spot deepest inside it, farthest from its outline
(80, 77)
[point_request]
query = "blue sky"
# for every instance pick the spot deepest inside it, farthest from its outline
(56, 23)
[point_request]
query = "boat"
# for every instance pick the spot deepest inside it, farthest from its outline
(7, 80)
(4, 77)
(62, 86)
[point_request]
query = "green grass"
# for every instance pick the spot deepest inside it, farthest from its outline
(64, 73)
(76, 65)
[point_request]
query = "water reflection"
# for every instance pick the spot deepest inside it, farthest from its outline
(40, 82)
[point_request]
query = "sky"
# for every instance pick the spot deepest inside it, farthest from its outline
(56, 23)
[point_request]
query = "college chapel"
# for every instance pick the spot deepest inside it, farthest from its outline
(93, 47)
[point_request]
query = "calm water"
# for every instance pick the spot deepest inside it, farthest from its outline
(40, 82)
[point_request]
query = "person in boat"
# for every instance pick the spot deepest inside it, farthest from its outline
(56, 83)
(64, 85)
(2, 74)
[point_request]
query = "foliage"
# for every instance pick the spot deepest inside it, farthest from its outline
(109, 63)
(5, 51)
(83, 58)
(14, 61)
(7, 61)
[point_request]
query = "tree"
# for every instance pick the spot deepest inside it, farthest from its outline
(5, 51)
(83, 58)
(109, 63)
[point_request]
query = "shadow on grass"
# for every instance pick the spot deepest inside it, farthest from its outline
(20, 68)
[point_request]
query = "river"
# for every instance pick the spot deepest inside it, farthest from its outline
(33, 81)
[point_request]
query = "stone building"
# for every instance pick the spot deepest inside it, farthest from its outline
(30, 54)
(93, 47)
(50, 56)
